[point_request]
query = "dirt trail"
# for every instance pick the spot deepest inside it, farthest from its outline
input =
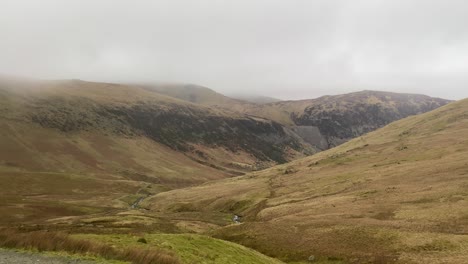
(11, 256)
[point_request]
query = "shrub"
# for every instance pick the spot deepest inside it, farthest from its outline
(142, 240)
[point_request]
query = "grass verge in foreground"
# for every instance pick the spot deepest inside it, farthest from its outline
(50, 241)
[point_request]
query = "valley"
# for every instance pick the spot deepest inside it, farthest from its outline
(330, 180)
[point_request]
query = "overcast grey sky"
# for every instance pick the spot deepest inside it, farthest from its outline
(288, 49)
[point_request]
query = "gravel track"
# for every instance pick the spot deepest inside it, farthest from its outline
(16, 257)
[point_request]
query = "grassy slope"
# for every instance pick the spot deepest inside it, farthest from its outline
(398, 194)
(134, 247)
(33, 148)
(52, 175)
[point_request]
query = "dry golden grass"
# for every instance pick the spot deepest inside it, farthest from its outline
(398, 194)
(51, 175)
(30, 147)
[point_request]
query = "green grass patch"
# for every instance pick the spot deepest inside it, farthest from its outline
(190, 248)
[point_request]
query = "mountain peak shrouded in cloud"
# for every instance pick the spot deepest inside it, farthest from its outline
(283, 49)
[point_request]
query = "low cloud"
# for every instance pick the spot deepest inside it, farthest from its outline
(288, 49)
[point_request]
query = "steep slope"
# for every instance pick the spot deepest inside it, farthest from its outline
(396, 195)
(208, 136)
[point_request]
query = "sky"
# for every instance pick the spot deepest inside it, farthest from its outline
(288, 49)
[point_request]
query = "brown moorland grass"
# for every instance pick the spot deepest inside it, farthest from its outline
(51, 241)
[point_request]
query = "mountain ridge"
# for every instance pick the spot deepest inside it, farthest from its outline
(353, 114)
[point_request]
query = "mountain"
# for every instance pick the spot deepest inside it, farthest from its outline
(323, 122)
(395, 195)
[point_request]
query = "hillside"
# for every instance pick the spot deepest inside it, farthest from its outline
(396, 195)
(72, 148)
